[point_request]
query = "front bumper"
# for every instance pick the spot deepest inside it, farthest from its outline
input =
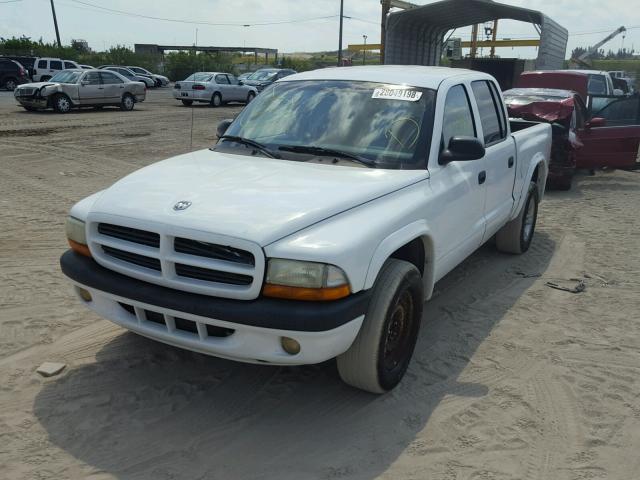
(324, 330)
(33, 101)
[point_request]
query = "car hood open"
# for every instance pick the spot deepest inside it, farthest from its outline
(250, 197)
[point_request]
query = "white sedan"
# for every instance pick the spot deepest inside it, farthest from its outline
(214, 88)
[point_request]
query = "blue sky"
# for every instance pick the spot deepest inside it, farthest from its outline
(103, 29)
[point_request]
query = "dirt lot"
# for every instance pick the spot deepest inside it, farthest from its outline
(511, 379)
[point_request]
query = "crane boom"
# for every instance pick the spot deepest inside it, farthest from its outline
(597, 46)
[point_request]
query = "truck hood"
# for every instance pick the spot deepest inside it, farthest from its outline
(253, 198)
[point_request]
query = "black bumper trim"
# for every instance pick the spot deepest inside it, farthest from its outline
(262, 312)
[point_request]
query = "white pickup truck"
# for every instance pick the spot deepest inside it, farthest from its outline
(318, 225)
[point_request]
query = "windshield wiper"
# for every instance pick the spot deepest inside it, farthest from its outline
(251, 143)
(322, 151)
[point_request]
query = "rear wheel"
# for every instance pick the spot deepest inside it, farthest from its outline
(187, 103)
(61, 103)
(10, 84)
(216, 100)
(127, 103)
(516, 236)
(250, 96)
(378, 358)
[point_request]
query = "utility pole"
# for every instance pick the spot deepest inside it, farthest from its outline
(364, 52)
(55, 23)
(340, 36)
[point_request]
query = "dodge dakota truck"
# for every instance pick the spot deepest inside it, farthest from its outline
(319, 223)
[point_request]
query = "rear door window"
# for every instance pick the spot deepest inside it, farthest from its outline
(55, 65)
(458, 119)
(110, 78)
(42, 64)
(490, 113)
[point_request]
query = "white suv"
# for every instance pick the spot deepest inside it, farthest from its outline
(45, 68)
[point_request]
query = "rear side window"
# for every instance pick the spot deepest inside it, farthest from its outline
(490, 113)
(55, 65)
(110, 78)
(597, 85)
(42, 64)
(458, 119)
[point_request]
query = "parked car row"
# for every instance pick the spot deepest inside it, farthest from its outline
(42, 69)
(216, 88)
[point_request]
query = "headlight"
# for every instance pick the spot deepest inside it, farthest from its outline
(76, 235)
(298, 280)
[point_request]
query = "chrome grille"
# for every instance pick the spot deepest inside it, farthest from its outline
(183, 259)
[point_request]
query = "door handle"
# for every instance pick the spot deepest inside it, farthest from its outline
(511, 162)
(482, 177)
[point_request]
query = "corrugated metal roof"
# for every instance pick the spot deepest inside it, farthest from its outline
(416, 36)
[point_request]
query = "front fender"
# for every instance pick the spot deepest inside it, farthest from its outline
(418, 229)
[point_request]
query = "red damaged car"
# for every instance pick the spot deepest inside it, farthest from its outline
(607, 137)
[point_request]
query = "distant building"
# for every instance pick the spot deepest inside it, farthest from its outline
(80, 45)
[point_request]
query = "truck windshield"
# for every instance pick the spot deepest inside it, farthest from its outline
(389, 126)
(66, 76)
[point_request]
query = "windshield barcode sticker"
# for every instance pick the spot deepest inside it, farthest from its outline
(397, 94)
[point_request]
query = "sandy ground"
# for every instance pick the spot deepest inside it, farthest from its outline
(510, 380)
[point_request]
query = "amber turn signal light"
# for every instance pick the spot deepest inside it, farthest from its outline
(307, 294)
(79, 248)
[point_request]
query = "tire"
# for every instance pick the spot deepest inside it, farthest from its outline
(10, 84)
(187, 103)
(127, 103)
(216, 100)
(61, 103)
(379, 356)
(516, 236)
(250, 97)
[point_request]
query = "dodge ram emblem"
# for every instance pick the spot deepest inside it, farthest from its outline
(181, 205)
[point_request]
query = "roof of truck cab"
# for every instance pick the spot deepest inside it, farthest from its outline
(417, 76)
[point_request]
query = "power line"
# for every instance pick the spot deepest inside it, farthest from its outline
(199, 22)
(11, 1)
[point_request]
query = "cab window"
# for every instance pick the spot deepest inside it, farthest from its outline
(489, 112)
(458, 118)
(55, 65)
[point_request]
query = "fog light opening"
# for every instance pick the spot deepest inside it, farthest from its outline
(84, 294)
(289, 345)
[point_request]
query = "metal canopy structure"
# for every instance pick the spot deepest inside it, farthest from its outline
(416, 36)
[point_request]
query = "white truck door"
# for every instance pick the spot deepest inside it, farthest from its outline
(460, 226)
(500, 157)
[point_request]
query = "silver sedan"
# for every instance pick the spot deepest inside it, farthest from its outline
(81, 88)
(214, 88)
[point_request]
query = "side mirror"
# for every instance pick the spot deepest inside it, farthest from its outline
(618, 92)
(84, 82)
(462, 149)
(240, 82)
(222, 127)
(596, 122)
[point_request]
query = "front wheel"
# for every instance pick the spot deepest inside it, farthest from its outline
(127, 103)
(380, 355)
(61, 103)
(250, 97)
(516, 236)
